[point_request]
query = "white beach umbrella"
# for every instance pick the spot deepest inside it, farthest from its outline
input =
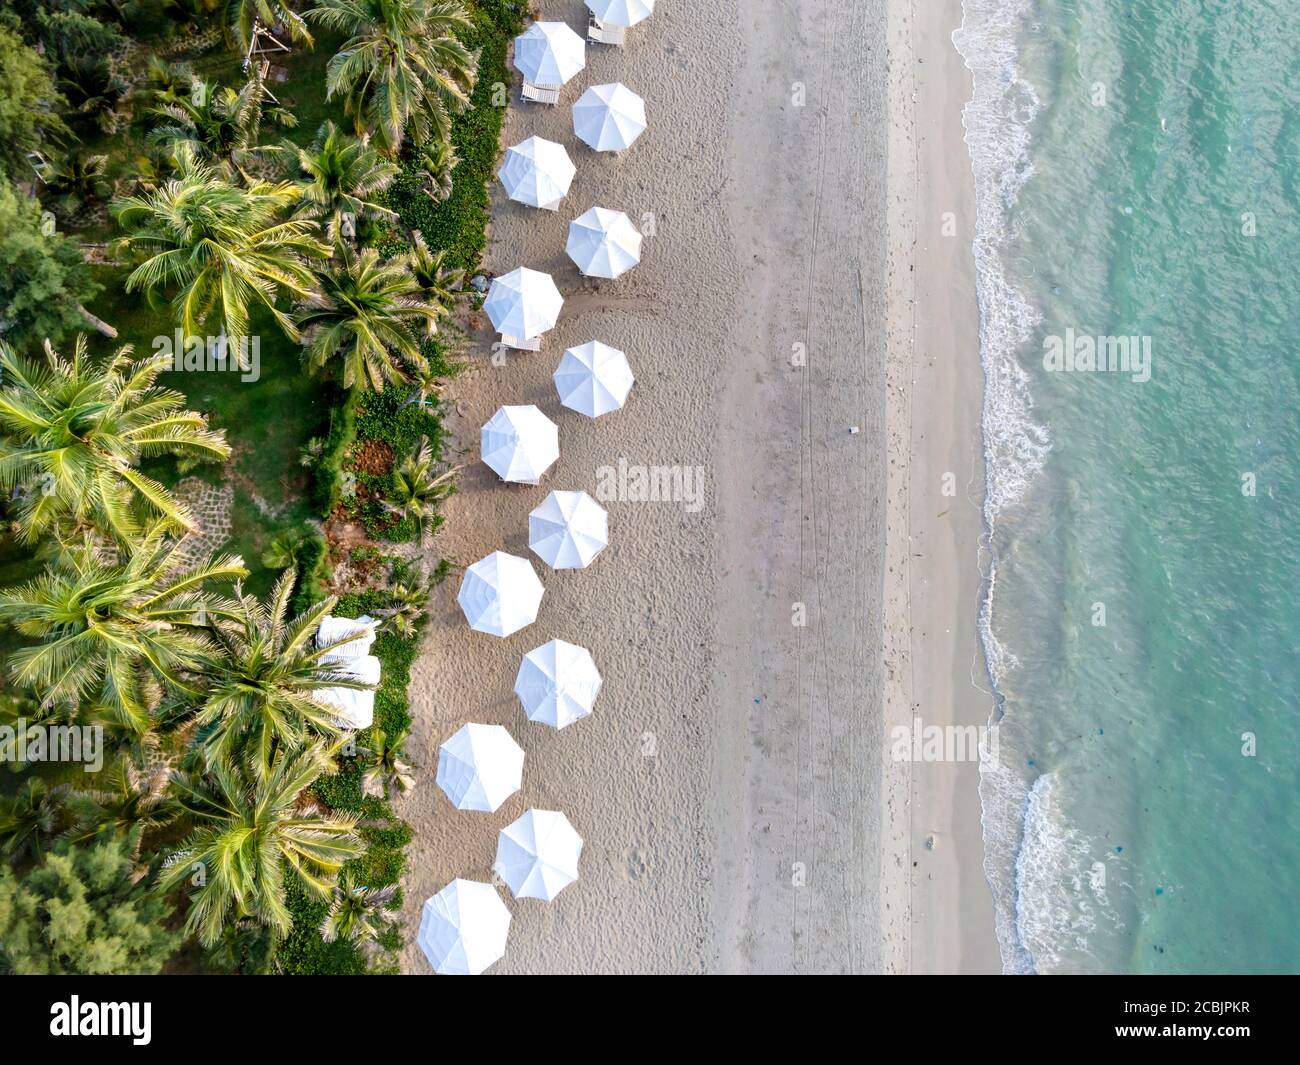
(523, 303)
(519, 443)
(480, 767)
(463, 928)
(537, 172)
(621, 12)
(604, 243)
(593, 379)
(537, 855)
(557, 684)
(359, 632)
(609, 118)
(500, 594)
(568, 530)
(549, 54)
(355, 706)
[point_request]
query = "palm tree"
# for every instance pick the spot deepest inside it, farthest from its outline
(356, 913)
(249, 830)
(94, 87)
(283, 550)
(441, 284)
(408, 603)
(258, 685)
(245, 13)
(340, 179)
(436, 161)
(220, 125)
(222, 247)
(417, 490)
(76, 182)
(388, 774)
(73, 431)
(359, 320)
(29, 817)
(110, 629)
(402, 69)
(130, 802)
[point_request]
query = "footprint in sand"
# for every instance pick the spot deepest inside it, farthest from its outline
(638, 865)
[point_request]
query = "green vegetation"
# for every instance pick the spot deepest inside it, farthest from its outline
(79, 912)
(183, 508)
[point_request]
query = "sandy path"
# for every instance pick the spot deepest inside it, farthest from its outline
(802, 500)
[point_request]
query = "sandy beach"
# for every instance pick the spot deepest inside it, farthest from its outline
(804, 347)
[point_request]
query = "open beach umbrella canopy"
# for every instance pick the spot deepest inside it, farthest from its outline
(523, 303)
(609, 118)
(604, 243)
(537, 855)
(593, 379)
(463, 928)
(621, 12)
(480, 767)
(548, 54)
(537, 172)
(568, 530)
(557, 684)
(500, 594)
(519, 443)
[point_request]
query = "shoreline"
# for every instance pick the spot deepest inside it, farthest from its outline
(945, 680)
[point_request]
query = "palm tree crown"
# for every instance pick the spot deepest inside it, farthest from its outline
(402, 67)
(220, 125)
(72, 431)
(110, 629)
(222, 247)
(341, 177)
(251, 828)
(360, 320)
(258, 686)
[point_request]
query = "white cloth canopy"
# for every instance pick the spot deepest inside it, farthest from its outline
(519, 443)
(523, 303)
(537, 172)
(604, 243)
(609, 118)
(355, 706)
(463, 928)
(500, 594)
(537, 855)
(480, 767)
(362, 630)
(568, 530)
(593, 379)
(548, 54)
(557, 684)
(621, 12)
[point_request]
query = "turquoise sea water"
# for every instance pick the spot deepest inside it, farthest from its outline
(1137, 166)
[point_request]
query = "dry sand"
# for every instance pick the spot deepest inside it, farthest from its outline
(733, 787)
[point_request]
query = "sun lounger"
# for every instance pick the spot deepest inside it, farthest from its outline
(539, 94)
(599, 33)
(522, 344)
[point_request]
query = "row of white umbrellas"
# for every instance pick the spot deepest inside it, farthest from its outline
(464, 927)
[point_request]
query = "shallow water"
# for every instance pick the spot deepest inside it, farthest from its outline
(1137, 168)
